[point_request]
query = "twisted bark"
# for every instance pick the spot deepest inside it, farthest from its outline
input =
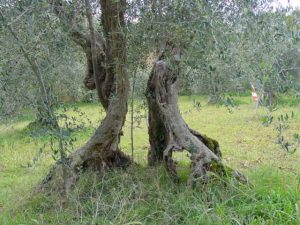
(168, 132)
(101, 151)
(103, 79)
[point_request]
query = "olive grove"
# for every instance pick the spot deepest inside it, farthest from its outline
(166, 47)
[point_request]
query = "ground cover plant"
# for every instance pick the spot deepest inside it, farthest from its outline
(143, 195)
(139, 112)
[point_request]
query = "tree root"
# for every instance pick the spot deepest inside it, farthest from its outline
(64, 174)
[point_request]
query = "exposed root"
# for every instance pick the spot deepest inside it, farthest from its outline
(63, 175)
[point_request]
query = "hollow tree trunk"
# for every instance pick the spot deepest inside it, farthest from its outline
(102, 151)
(168, 132)
(156, 129)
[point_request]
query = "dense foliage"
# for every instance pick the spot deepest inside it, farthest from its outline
(228, 46)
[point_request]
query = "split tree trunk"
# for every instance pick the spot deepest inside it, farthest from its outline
(102, 151)
(168, 132)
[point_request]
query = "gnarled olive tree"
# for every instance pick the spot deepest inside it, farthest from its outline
(106, 60)
(168, 132)
(106, 65)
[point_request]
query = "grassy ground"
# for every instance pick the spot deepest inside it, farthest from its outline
(143, 195)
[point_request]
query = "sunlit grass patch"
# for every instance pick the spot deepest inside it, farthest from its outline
(143, 195)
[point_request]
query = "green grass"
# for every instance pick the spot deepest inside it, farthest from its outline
(143, 195)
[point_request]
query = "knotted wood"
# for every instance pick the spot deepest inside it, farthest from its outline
(168, 132)
(106, 73)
